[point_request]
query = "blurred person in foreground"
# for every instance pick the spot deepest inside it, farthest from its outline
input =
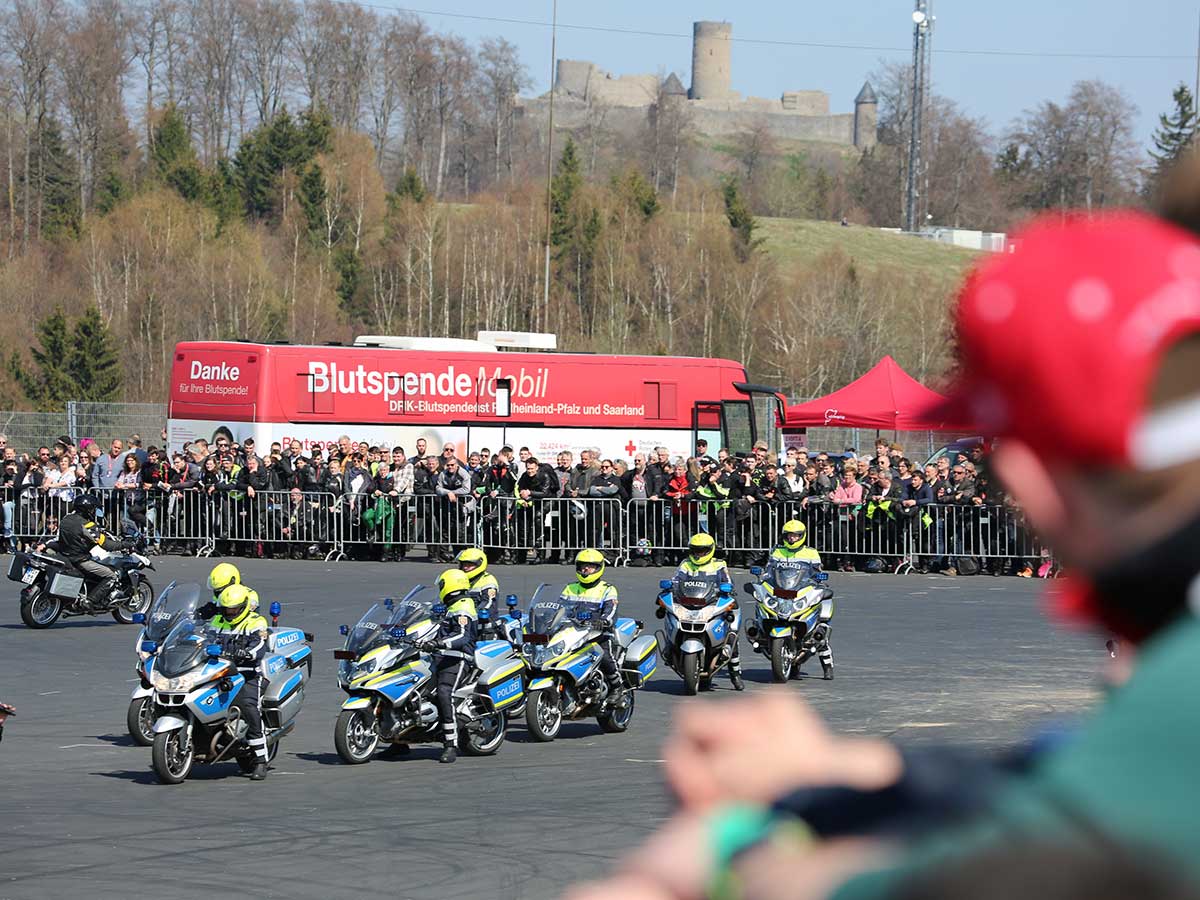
(771, 803)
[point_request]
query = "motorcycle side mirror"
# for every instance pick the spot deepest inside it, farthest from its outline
(213, 650)
(511, 601)
(139, 618)
(149, 646)
(389, 602)
(660, 612)
(748, 588)
(665, 584)
(756, 571)
(821, 576)
(343, 630)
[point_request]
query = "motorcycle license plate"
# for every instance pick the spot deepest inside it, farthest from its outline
(30, 575)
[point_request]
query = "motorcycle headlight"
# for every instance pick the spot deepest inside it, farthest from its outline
(183, 683)
(545, 654)
(363, 668)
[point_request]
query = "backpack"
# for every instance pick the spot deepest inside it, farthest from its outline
(967, 565)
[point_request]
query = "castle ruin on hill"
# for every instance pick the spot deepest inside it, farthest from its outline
(714, 108)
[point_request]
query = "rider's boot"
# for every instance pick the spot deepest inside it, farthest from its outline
(449, 754)
(616, 692)
(826, 655)
(735, 674)
(260, 772)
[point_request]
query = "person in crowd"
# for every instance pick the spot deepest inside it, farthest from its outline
(603, 518)
(534, 486)
(453, 489)
(131, 495)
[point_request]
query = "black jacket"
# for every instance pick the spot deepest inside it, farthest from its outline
(77, 536)
(539, 486)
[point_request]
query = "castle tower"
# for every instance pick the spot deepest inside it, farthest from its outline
(711, 55)
(866, 117)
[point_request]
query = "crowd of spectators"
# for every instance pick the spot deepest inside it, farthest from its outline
(377, 502)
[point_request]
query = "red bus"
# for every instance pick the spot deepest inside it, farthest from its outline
(475, 398)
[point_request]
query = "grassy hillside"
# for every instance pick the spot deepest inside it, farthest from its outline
(795, 243)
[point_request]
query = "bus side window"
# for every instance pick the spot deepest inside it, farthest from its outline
(739, 435)
(308, 400)
(659, 397)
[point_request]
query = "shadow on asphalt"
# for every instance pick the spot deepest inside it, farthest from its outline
(82, 623)
(220, 772)
(568, 731)
(117, 740)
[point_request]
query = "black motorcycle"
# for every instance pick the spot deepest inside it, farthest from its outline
(53, 587)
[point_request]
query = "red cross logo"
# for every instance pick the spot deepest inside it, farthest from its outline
(630, 447)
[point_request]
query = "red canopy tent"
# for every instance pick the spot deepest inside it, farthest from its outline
(886, 397)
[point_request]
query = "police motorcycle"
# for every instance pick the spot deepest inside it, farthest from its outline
(387, 673)
(509, 629)
(792, 614)
(700, 623)
(165, 613)
(53, 587)
(196, 681)
(560, 645)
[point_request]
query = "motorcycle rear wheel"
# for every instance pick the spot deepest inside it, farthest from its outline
(484, 737)
(355, 736)
(38, 608)
(140, 721)
(690, 670)
(783, 658)
(543, 714)
(615, 721)
(172, 760)
(138, 603)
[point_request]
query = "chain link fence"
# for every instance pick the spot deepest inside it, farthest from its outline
(100, 422)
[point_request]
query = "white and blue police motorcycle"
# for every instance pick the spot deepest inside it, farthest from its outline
(196, 681)
(700, 624)
(165, 613)
(386, 670)
(793, 611)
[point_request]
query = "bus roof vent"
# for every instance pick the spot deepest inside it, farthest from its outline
(519, 340)
(402, 342)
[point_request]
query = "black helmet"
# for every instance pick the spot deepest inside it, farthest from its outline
(85, 505)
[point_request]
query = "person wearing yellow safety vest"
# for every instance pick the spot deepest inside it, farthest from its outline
(702, 559)
(237, 616)
(485, 589)
(454, 649)
(882, 506)
(590, 587)
(794, 546)
(222, 576)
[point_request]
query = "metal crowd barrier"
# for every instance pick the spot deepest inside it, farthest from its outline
(388, 526)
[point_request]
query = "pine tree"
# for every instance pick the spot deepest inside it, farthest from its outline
(172, 146)
(1175, 131)
(410, 186)
(48, 384)
(312, 199)
(60, 185)
(92, 363)
(741, 221)
(638, 192)
(563, 188)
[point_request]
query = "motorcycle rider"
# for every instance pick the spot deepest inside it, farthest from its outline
(454, 649)
(237, 616)
(222, 576)
(78, 533)
(590, 588)
(485, 589)
(794, 547)
(702, 559)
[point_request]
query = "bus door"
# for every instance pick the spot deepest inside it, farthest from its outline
(766, 415)
(706, 425)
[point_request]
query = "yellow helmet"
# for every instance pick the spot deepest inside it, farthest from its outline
(473, 562)
(594, 561)
(702, 548)
(794, 533)
(452, 584)
(253, 595)
(222, 576)
(235, 602)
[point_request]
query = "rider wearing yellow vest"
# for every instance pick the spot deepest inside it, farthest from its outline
(486, 589)
(454, 649)
(702, 560)
(590, 587)
(237, 616)
(794, 547)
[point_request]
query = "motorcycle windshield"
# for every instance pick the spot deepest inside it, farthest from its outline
(183, 649)
(696, 590)
(411, 611)
(175, 604)
(550, 616)
(371, 630)
(790, 575)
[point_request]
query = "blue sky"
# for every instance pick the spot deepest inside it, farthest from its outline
(994, 87)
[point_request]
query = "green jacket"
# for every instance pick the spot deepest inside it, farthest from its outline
(1129, 774)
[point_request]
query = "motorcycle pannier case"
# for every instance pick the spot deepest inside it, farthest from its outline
(64, 585)
(16, 568)
(503, 685)
(641, 660)
(283, 697)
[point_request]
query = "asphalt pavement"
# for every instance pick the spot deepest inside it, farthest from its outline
(918, 658)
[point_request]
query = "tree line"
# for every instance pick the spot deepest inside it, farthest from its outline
(306, 171)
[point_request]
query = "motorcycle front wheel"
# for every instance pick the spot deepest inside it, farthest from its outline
(484, 737)
(140, 721)
(138, 603)
(173, 755)
(543, 714)
(783, 657)
(38, 608)
(690, 670)
(355, 736)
